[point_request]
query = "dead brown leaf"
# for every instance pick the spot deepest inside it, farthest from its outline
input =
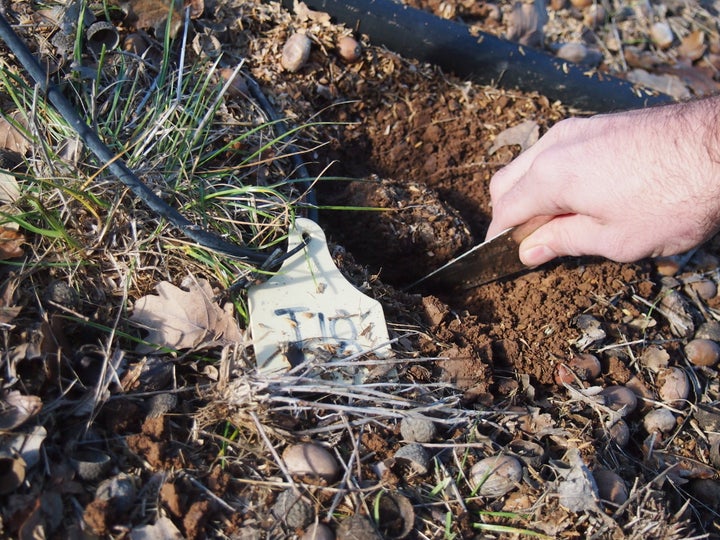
(153, 14)
(183, 319)
(693, 45)
(524, 134)
(10, 243)
(11, 138)
(304, 13)
(16, 409)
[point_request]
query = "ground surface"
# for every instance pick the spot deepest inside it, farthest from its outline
(481, 363)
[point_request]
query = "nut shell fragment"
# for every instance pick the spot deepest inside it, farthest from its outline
(495, 476)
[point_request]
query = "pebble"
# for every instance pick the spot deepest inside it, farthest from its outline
(120, 490)
(293, 510)
(318, 531)
(709, 330)
(673, 386)
(495, 476)
(661, 35)
(296, 52)
(415, 456)
(611, 487)
(417, 429)
(60, 293)
(703, 352)
(572, 52)
(310, 459)
(660, 421)
(617, 397)
(358, 527)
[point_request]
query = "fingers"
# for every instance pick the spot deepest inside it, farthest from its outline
(574, 235)
(524, 188)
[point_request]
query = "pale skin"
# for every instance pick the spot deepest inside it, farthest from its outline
(622, 186)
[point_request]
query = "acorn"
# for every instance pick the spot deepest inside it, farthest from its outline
(585, 365)
(296, 52)
(702, 352)
(349, 49)
(673, 386)
(318, 531)
(619, 433)
(611, 487)
(310, 459)
(619, 398)
(495, 476)
(659, 421)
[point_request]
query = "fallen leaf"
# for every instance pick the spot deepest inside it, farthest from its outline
(524, 134)
(27, 444)
(526, 23)
(667, 84)
(11, 138)
(154, 14)
(10, 243)
(183, 319)
(16, 409)
(9, 188)
(693, 45)
(578, 491)
(304, 13)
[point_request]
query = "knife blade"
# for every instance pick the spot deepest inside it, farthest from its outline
(495, 258)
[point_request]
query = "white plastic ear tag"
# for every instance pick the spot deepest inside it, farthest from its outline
(309, 311)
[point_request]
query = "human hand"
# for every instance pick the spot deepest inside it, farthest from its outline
(623, 186)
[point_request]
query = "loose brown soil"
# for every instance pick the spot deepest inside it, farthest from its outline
(411, 146)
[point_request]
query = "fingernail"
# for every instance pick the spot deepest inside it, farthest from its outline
(536, 255)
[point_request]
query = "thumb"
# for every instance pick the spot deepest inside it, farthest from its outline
(564, 235)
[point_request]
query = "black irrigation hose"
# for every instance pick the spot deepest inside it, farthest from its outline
(485, 59)
(117, 167)
(281, 131)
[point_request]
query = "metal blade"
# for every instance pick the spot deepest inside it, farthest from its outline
(486, 262)
(493, 259)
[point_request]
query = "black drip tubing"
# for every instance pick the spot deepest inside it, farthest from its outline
(117, 167)
(485, 59)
